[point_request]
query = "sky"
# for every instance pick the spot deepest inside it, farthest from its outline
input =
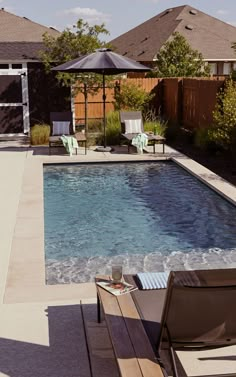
(119, 16)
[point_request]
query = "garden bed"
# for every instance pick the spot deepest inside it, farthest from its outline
(222, 163)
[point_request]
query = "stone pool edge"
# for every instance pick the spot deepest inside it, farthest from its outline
(212, 180)
(26, 272)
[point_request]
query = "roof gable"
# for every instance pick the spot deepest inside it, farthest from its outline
(142, 42)
(20, 29)
(210, 36)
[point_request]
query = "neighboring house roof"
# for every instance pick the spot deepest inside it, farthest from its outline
(20, 29)
(21, 38)
(210, 36)
(18, 51)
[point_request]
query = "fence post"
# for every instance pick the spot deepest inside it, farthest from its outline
(86, 108)
(180, 107)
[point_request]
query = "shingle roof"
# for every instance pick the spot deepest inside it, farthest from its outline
(28, 51)
(210, 36)
(20, 29)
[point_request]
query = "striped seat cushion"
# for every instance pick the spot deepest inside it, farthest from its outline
(153, 280)
(133, 126)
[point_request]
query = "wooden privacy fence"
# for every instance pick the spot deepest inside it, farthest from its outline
(190, 101)
(171, 100)
(199, 100)
(181, 101)
(95, 102)
(95, 105)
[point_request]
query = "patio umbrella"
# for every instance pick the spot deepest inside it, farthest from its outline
(104, 62)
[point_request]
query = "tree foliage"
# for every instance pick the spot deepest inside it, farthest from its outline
(176, 58)
(70, 45)
(131, 97)
(224, 116)
(234, 46)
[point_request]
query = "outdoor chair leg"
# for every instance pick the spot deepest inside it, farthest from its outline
(128, 147)
(98, 309)
(163, 148)
(172, 355)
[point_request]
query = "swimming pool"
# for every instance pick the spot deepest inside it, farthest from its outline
(147, 216)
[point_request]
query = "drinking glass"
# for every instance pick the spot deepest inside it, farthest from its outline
(116, 274)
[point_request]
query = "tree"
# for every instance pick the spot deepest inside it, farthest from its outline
(234, 46)
(71, 45)
(177, 59)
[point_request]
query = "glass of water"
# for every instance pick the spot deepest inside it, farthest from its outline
(116, 274)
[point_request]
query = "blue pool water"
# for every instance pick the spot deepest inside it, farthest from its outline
(147, 216)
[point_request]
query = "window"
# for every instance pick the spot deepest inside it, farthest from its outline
(213, 67)
(226, 68)
(16, 66)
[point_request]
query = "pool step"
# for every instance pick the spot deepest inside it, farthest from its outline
(14, 140)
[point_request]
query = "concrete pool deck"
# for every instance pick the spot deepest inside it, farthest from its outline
(29, 309)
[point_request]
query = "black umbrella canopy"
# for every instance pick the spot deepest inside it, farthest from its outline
(105, 62)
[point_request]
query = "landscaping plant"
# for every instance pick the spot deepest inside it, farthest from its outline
(204, 139)
(158, 127)
(113, 127)
(39, 134)
(131, 97)
(224, 117)
(153, 122)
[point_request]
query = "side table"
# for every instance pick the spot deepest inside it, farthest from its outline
(81, 138)
(133, 351)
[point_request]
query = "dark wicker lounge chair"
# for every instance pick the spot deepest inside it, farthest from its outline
(198, 309)
(61, 123)
(66, 128)
(132, 125)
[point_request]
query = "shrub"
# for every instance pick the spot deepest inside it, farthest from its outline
(96, 133)
(131, 97)
(201, 138)
(93, 139)
(154, 123)
(39, 134)
(233, 75)
(95, 125)
(113, 128)
(224, 116)
(204, 139)
(157, 127)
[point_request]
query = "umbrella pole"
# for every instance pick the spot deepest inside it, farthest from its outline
(104, 148)
(104, 110)
(86, 108)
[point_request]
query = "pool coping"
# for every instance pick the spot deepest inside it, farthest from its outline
(25, 280)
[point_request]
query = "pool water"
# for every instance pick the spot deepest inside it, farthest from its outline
(147, 216)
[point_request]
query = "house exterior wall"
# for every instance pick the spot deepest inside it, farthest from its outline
(14, 104)
(33, 96)
(45, 94)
